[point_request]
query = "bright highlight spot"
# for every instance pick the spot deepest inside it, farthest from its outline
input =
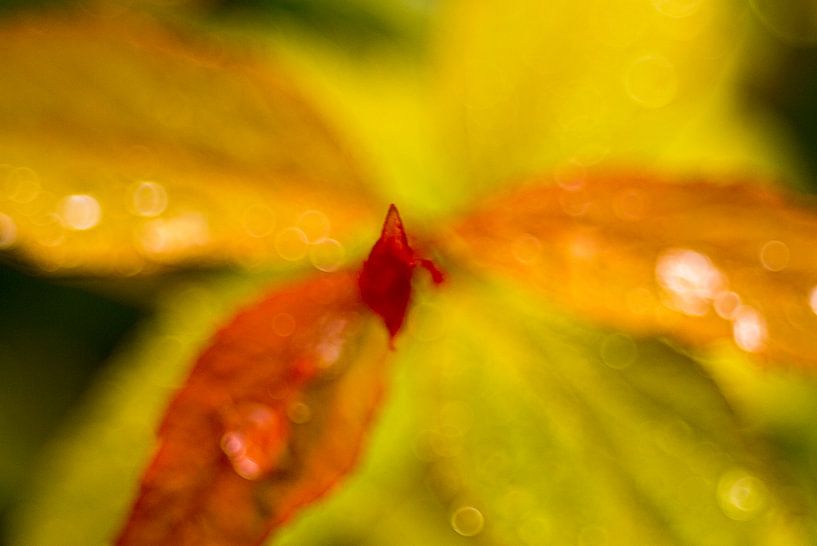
(690, 278)
(741, 495)
(254, 439)
(467, 521)
(177, 235)
(651, 81)
(812, 300)
(749, 329)
(80, 212)
(8, 231)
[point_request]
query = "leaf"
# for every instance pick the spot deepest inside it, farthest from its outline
(706, 263)
(553, 432)
(113, 160)
(532, 85)
(275, 410)
(86, 476)
(270, 418)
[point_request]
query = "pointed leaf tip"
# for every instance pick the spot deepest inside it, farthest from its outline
(385, 278)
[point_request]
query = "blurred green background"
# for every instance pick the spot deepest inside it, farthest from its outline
(56, 334)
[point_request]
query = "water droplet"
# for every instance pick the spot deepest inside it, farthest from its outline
(299, 413)
(173, 236)
(526, 249)
(22, 185)
(741, 495)
(327, 254)
(651, 81)
(254, 439)
(259, 220)
(775, 255)
(283, 324)
(749, 329)
(677, 9)
(80, 212)
(8, 231)
(314, 224)
(330, 348)
(618, 351)
(467, 521)
(291, 244)
(148, 199)
(690, 278)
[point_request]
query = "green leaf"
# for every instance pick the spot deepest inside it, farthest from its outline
(559, 433)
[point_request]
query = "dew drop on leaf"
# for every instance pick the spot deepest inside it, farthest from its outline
(314, 224)
(291, 244)
(8, 231)
(467, 521)
(775, 255)
(327, 254)
(255, 437)
(147, 199)
(80, 212)
(741, 495)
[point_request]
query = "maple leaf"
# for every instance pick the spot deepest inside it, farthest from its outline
(510, 418)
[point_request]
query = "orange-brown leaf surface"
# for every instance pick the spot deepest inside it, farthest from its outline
(274, 412)
(271, 417)
(702, 262)
(113, 160)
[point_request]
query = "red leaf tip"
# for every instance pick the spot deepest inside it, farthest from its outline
(385, 278)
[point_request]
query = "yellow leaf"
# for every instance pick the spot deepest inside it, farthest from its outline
(547, 431)
(705, 263)
(531, 85)
(113, 160)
